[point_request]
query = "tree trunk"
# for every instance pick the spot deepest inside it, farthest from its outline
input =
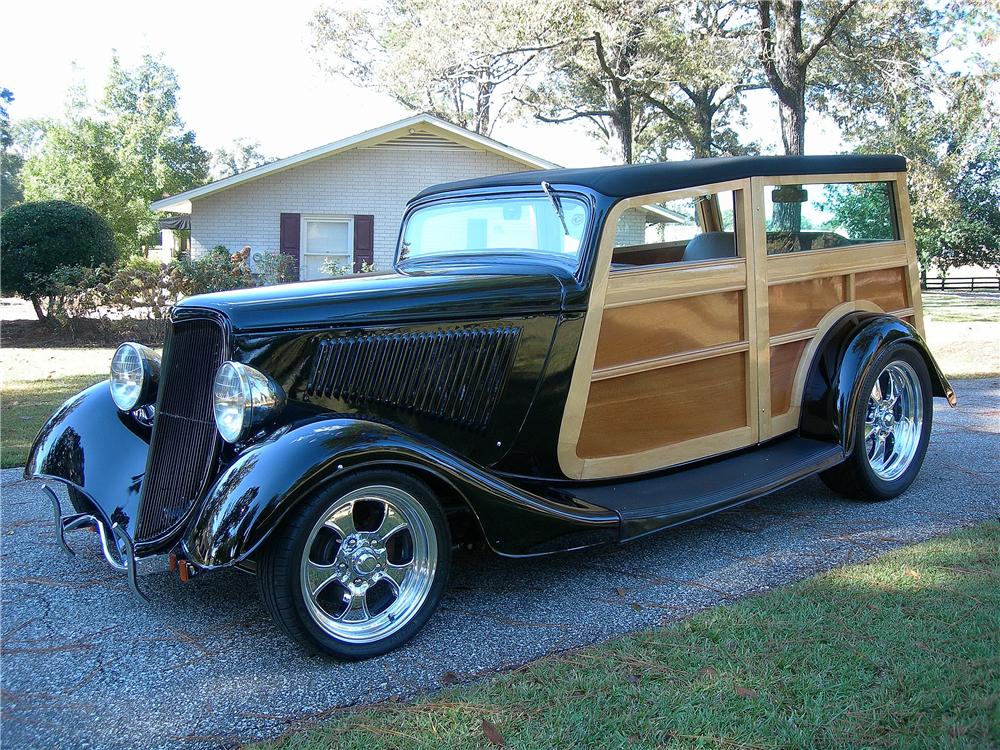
(37, 304)
(793, 123)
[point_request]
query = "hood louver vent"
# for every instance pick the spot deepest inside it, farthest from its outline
(455, 375)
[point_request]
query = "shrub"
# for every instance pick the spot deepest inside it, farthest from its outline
(40, 238)
(274, 268)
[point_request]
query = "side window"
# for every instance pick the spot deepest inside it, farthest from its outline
(820, 217)
(687, 229)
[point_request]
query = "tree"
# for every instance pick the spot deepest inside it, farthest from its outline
(460, 60)
(601, 72)
(952, 146)
(241, 156)
(650, 76)
(706, 61)
(786, 58)
(119, 156)
(39, 238)
(10, 161)
(945, 122)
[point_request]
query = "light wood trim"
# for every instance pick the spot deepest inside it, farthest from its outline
(762, 268)
(874, 256)
(787, 338)
(744, 226)
(675, 281)
(632, 286)
(905, 221)
(813, 179)
(656, 363)
(675, 195)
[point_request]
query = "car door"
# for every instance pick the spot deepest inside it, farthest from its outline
(667, 370)
(827, 246)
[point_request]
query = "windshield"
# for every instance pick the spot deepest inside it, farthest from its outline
(527, 225)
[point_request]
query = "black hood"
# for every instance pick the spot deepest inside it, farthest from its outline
(385, 298)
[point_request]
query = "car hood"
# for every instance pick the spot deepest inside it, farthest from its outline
(385, 298)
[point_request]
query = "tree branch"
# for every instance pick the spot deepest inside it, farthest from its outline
(831, 26)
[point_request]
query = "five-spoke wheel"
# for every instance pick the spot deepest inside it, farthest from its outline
(361, 568)
(891, 427)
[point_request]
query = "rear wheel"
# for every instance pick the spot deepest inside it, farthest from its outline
(360, 567)
(892, 421)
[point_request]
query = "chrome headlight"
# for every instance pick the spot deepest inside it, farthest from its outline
(135, 370)
(244, 399)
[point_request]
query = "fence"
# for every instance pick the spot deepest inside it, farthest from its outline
(963, 283)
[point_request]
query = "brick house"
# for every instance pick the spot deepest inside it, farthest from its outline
(342, 201)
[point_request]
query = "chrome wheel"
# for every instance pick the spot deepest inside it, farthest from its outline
(893, 420)
(369, 563)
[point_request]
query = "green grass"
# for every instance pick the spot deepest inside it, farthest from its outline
(954, 308)
(24, 407)
(901, 652)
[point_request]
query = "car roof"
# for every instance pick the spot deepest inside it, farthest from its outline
(642, 179)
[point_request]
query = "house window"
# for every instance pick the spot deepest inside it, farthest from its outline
(326, 240)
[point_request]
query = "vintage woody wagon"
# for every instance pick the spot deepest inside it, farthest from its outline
(559, 359)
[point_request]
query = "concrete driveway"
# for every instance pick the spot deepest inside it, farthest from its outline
(87, 665)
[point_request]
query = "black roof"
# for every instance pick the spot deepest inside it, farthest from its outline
(642, 179)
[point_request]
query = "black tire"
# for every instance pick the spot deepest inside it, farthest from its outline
(855, 478)
(280, 578)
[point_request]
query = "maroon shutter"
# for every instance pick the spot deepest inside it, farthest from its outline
(364, 240)
(288, 241)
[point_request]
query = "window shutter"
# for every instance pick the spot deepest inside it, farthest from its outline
(364, 240)
(288, 242)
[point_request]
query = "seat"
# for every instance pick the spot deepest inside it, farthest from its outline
(710, 245)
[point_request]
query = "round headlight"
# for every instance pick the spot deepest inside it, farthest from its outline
(134, 371)
(244, 399)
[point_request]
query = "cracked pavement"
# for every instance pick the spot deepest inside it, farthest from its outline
(86, 665)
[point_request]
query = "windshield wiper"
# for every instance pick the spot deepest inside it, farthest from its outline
(556, 204)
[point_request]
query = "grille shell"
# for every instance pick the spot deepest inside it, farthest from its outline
(184, 446)
(456, 375)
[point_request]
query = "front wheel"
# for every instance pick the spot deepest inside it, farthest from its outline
(892, 422)
(360, 567)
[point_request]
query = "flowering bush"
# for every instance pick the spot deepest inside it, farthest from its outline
(144, 290)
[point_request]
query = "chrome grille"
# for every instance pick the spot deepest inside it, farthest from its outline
(455, 375)
(184, 445)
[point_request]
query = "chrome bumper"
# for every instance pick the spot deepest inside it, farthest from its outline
(115, 543)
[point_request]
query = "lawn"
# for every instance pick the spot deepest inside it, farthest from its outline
(35, 382)
(903, 651)
(949, 307)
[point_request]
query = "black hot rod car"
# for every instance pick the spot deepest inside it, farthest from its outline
(558, 359)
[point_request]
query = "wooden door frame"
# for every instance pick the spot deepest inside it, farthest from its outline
(646, 284)
(818, 264)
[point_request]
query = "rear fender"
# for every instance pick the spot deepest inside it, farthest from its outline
(843, 359)
(251, 497)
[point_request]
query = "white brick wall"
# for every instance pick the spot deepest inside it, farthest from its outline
(377, 181)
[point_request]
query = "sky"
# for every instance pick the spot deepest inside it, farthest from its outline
(246, 71)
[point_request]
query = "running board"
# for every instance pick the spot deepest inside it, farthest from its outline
(649, 504)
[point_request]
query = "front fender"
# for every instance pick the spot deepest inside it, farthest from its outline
(252, 496)
(90, 446)
(844, 358)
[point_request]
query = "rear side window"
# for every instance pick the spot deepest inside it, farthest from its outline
(687, 229)
(826, 216)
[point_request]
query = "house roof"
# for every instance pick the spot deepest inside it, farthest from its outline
(422, 125)
(644, 179)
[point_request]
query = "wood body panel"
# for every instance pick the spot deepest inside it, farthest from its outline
(887, 288)
(641, 332)
(784, 364)
(656, 385)
(800, 305)
(665, 406)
